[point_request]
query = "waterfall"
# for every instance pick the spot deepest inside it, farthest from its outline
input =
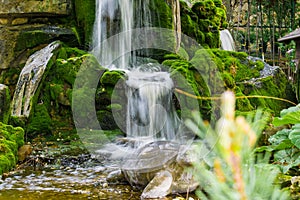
(227, 42)
(29, 80)
(150, 109)
(113, 17)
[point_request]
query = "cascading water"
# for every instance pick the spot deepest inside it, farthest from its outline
(29, 80)
(227, 42)
(112, 17)
(150, 112)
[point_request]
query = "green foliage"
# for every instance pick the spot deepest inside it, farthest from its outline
(285, 144)
(288, 116)
(226, 167)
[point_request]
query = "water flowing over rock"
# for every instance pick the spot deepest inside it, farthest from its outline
(150, 112)
(29, 80)
(227, 42)
(113, 17)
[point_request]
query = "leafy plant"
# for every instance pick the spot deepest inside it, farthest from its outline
(285, 144)
(226, 166)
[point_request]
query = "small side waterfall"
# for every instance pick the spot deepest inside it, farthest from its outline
(29, 80)
(227, 42)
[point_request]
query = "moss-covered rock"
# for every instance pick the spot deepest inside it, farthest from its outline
(111, 77)
(161, 14)
(273, 86)
(4, 103)
(39, 35)
(243, 76)
(11, 139)
(187, 78)
(211, 16)
(85, 15)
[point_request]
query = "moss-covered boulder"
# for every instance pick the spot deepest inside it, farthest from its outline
(275, 85)
(111, 100)
(203, 21)
(11, 139)
(187, 78)
(247, 78)
(4, 103)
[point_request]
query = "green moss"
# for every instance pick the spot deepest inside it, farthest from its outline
(106, 120)
(259, 65)
(4, 104)
(161, 15)
(228, 80)
(242, 76)
(273, 86)
(210, 40)
(242, 104)
(11, 139)
(211, 18)
(40, 122)
(85, 15)
(4, 164)
(218, 3)
(186, 77)
(30, 39)
(221, 14)
(111, 77)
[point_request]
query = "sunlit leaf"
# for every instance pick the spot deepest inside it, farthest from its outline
(288, 118)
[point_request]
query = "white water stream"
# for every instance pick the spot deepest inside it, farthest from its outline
(150, 112)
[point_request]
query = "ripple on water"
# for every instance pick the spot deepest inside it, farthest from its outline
(77, 183)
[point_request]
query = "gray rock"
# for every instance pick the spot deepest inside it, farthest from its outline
(18, 8)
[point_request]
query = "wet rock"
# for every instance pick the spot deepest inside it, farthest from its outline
(3, 21)
(7, 44)
(19, 21)
(159, 186)
(115, 176)
(24, 151)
